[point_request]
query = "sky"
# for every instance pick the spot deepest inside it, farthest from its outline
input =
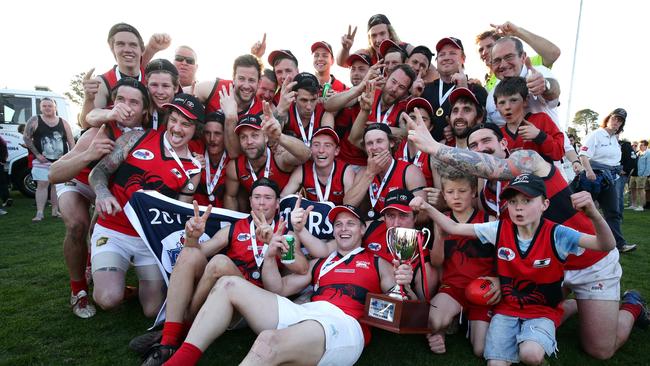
(48, 42)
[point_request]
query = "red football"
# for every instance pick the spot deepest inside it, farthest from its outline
(476, 289)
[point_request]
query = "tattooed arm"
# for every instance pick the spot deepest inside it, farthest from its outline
(99, 176)
(28, 138)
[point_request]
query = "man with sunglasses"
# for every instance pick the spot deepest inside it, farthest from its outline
(185, 62)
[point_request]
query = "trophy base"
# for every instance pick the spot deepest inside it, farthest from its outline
(397, 316)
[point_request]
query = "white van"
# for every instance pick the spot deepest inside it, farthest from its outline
(16, 108)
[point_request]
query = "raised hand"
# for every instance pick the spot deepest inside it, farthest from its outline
(270, 125)
(159, 41)
(90, 85)
(120, 113)
(528, 131)
(418, 84)
(419, 134)
(582, 201)
(506, 29)
(263, 230)
(100, 145)
(228, 101)
(278, 244)
(534, 80)
(195, 225)
(287, 96)
(347, 40)
(299, 215)
(434, 196)
(367, 97)
(259, 48)
(459, 78)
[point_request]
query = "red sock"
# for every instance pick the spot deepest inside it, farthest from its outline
(77, 286)
(634, 309)
(188, 354)
(173, 334)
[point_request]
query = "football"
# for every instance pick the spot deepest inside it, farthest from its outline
(476, 289)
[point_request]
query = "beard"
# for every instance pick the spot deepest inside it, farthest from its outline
(254, 154)
(462, 133)
(239, 96)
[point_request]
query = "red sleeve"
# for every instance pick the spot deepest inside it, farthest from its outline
(550, 140)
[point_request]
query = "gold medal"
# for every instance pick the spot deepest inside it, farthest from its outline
(440, 112)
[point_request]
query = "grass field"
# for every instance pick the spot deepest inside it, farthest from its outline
(38, 328)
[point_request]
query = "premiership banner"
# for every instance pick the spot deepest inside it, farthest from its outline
(318, 225)
(160, 222)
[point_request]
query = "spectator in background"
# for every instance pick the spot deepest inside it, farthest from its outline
(628, 169)
(638, 182)
(185, 62)
(4, 180)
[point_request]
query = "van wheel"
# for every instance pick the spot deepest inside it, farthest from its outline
(22, 181)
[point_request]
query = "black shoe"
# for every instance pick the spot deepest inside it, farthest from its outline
(142, 343)
(634, 297)
(158, 355)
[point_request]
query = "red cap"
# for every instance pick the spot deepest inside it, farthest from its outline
(463, 92)
(385, 45)
(342, 208)
(449, 40)
(284, 53)
(326, 130)
(419, 103)
(322, 44)
(358, 57)
(249, 120)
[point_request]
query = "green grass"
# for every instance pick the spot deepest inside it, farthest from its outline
(38, 328)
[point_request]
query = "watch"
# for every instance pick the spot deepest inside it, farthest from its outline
(547, 85)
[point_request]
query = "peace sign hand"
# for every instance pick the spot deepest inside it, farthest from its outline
(195, 226)
(347, 40)
(263, 231)
(278, 244)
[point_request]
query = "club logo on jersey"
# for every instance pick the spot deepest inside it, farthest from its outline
(243, 236)
(143, 154)
(506, 254)
(176, 173)
(541, 263)
(375, 247)
(363, 264)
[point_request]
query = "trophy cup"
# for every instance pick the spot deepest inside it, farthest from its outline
(393, 311)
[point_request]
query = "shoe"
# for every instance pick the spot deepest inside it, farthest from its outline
(8, 202)
(634, 297)
(37, 218)
(630, 207)
(638, 208)
(3, 212)
(627, 248)
(142, 343)
(81, 306)
(158, 355)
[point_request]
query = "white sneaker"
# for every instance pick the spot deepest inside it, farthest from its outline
(2, 212)
(638, 208)
(81, 306)
(630, 207)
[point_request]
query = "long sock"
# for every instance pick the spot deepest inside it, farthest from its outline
(77, 286)
(188, 354)
(634, 309)
(173, 334)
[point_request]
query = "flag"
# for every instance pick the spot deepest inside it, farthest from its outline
(318, 225)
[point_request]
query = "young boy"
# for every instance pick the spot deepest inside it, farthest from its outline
(526, 131)
(462, 259)
(530, 263)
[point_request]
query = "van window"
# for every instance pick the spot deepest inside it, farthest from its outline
(15, 109)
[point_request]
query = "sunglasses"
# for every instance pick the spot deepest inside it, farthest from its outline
(188, 60)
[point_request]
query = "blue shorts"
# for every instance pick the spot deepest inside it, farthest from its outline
(506, 333)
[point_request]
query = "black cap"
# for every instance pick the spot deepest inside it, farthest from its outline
(279, 55)
(424, 50)
(123, 27)
(377, 19)
(134, 83)
(620, 112)
(378, 126)
(189, 106)
(305, 80)
(160, 64)
(217, 116)
(343, 208)
(489, 126)
(358, 57)
(398, 199)
(528, 184)
(266, 182)
(449, 40)
(249, 120)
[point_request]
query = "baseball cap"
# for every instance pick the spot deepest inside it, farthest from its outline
(189, 106)
(398, 199)
(305, 80)
(217, 116)
(377, 19)
(326, 130)
(343, 208)
(424, 50)
(419, 103)
(378, 126)
(528, 184)
(160, 64)
(358, 57)
(123, 27)
(281, 54)
(133, 83)
(387, 44)
(463, 92)
(489, 126)
(322, 44)
(620, 112)
(249, 120)
(449, 40)
(266, 182)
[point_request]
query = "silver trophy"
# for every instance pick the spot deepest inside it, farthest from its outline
(404, 245)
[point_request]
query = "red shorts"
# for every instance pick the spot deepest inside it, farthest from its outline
(472, 311)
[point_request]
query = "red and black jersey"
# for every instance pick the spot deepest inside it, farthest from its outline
(561, 210)
(113, 132)
(492, 201)
(213, 103)
(292, 126)
(347, 285)
(110, 80)
(202, 196)
(467, 259)
(374, 240)
(246, 178)
(337, 85)
(337, 189)
(549, 143)
(240, 251)
(146, 168)
(343, 125)
(396, 180)
(531, 281)
(423, 161)
(393, 111)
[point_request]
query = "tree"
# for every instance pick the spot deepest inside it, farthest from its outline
(76, 93)
(586, 119)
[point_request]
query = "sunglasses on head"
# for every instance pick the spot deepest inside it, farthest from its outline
(188, 59)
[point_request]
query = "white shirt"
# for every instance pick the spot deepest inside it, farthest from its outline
(600, 147)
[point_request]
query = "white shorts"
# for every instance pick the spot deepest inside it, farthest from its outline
(75, 186)
(40, 172)
(343, 335)
(601, 281)
(110, 248)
